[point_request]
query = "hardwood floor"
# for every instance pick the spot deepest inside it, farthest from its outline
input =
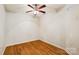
(36, 47)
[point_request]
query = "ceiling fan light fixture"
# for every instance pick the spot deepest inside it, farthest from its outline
(36, 9)
(35, 12)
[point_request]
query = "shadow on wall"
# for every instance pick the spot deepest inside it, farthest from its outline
(2, 28)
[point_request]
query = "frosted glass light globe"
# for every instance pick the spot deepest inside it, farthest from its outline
(35, 12)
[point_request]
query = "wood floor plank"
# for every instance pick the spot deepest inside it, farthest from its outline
(36, 47)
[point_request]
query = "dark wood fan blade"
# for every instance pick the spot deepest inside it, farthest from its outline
(30, 6)
(42, 11)
(42, 6)
(28, 11)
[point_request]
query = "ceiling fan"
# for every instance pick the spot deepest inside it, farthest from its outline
(36, 8)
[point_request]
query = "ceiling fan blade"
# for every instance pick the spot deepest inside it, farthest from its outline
(42, 11)
(42, 6)
(30, 6)
(28, 11)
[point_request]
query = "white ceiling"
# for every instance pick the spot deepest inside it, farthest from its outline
(24, 7)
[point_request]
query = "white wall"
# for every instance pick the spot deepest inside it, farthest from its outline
(72, 28)
(20, 28)
(2, 28)
(52, 28)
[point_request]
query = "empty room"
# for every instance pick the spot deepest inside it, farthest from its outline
(39, 29)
